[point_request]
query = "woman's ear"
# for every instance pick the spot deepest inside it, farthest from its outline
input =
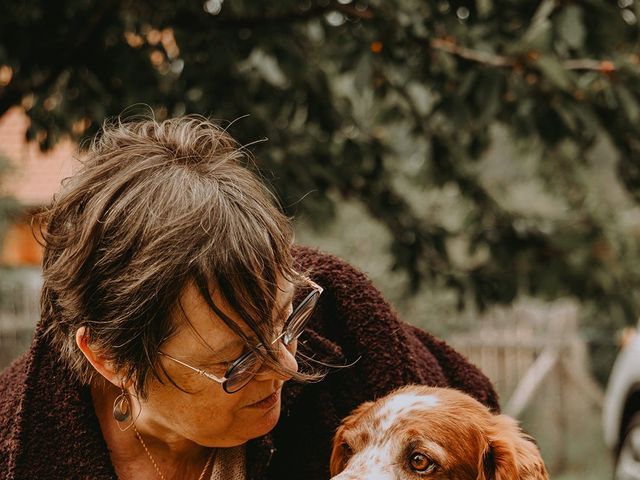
(101, 364)
(341, 451)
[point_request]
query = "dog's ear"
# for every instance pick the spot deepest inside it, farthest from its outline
(498, 460)
(510, 453)
(341, 451)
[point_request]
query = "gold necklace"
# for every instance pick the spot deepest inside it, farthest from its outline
(155, 465)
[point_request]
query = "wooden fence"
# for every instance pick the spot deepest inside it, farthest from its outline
(19, 311)
(534, 348)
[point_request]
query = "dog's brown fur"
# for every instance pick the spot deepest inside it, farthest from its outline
(459, 436)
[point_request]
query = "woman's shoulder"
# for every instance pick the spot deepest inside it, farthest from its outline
(12, 386)
(12, 381)
(345, 285)
(355, 316)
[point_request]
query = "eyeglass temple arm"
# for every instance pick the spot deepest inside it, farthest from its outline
(197, 370)
(315, 285)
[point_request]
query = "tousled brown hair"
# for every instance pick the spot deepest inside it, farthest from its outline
(154, 207)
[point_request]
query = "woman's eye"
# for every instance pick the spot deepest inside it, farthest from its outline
(217, 368)
(420, 463)
(222, 367)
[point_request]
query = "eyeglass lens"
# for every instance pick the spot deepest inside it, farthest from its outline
(242, 372)
(299, 318)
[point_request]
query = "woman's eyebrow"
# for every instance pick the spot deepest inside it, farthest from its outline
(223, 354)
(282, 308)
(233, 346)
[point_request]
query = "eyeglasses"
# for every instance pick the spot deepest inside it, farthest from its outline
(242, 370)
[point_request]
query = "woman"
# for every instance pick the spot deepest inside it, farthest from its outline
(175, 312)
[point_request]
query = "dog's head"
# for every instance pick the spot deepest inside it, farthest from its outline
(420, 432)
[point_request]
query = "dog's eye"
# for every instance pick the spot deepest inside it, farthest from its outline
(347, 451)
(421, 463)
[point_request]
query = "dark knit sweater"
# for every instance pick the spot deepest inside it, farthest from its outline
(48, 428)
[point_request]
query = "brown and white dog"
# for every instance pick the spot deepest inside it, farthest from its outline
(420, 432)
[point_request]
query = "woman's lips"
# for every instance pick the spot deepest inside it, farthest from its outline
(268, 402)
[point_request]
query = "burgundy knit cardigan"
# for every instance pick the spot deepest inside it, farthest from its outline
(48, 428)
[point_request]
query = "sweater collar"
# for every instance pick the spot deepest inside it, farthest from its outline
(59, 433)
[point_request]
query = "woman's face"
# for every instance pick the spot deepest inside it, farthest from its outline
(207, 415)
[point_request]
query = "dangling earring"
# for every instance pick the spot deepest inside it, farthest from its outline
(123, 410)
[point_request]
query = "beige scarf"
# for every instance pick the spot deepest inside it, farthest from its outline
(229, 464)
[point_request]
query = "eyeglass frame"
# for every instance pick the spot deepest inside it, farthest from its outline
(312, 296)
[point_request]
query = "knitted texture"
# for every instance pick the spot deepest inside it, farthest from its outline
(48, 428)
(229, 464)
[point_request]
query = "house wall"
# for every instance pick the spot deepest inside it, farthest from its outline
(20, 246)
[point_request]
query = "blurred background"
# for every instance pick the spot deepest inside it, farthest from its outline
(479, 160)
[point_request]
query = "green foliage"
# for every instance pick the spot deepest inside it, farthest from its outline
(343, 89)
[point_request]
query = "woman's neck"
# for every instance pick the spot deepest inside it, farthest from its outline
(175, 456)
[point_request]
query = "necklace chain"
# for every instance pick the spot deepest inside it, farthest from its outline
(155, 465)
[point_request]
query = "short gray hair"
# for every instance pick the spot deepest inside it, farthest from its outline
(153, 207)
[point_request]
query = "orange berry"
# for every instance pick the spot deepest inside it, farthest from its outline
(607, 66)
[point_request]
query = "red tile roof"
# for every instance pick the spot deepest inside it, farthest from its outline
(36, 176)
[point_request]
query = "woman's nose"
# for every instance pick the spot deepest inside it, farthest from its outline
(286, 359)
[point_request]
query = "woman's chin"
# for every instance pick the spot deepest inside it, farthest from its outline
(266, 421)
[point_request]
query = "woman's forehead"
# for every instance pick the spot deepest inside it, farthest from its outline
(198, 320)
